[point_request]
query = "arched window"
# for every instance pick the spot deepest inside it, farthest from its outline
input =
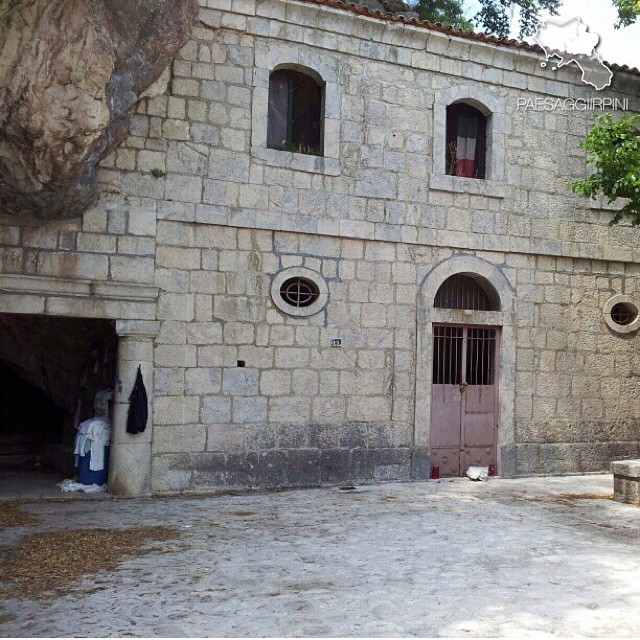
(467, 291)
(466, 141)
(296, 112)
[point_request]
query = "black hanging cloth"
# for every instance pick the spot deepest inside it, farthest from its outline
(138, 410)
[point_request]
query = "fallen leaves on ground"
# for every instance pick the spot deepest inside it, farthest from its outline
(585, 496)
(12, 515)
(46, 564)
(568, 499)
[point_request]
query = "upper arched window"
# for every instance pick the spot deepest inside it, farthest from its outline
(466, 141)
(467, 291)
(296, 112)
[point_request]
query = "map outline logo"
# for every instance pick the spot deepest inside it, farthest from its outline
(571, 41)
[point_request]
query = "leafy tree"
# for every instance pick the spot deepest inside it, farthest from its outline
(628, 12)
(493, 15)
(614, 152)
(448, 12)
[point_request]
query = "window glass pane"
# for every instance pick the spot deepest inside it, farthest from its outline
(278, 110)
(307, 120)
(466, 141)
(295, 118)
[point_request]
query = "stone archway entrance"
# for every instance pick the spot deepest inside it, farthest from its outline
(85, 301)
(55, 365)
(465, 367)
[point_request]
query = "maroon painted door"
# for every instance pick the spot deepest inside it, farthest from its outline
(463, 398)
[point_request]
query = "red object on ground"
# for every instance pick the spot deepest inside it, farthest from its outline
(492, 469)
(435, 472)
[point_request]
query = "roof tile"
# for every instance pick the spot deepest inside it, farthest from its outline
(451, 31)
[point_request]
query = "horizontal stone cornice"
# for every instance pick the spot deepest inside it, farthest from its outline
(47, 285)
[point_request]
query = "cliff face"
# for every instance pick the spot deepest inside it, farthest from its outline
(70, 74)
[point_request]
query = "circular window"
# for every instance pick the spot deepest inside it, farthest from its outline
(621, 314)
(299, 292)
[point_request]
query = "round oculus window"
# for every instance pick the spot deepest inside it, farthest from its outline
(622, 314)
(299, 291)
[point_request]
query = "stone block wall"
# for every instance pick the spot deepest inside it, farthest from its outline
(197, 209)
(102, 265)
(115, 240)
(577, 401)
(387, 85)
(304, 412)
(300, 411)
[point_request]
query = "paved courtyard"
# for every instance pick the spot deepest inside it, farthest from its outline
(543, 556)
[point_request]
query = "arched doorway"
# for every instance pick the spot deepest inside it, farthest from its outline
(465, 366)
(464, 388)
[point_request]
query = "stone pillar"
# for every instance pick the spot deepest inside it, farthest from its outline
(130, 460)
(626, 481)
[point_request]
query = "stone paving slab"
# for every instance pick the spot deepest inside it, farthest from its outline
(534, 556)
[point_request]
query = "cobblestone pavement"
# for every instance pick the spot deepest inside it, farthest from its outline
(539, 556)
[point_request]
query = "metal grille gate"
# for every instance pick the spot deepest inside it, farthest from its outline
(463, 398)
(462, 292)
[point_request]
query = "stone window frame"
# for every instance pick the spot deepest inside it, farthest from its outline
(493, 184)
(299, 272)
(623, 329)
(322, 67)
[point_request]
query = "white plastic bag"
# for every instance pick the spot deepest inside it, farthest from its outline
(67, 486)
(478, 473)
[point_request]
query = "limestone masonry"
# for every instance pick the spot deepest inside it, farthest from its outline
(198, 218)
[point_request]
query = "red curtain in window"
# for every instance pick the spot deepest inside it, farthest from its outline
(466, 147)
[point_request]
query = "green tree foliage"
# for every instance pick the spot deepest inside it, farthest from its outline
(628, 12)
(494, 15)
(448, 12)
(614, 151)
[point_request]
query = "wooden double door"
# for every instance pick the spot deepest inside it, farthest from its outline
(464, 398)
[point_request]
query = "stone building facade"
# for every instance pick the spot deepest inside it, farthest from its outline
(200, 222)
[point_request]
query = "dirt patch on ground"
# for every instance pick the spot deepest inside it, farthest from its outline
(45, 564)
(567, 499)
(12, 515)
(585, 496)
